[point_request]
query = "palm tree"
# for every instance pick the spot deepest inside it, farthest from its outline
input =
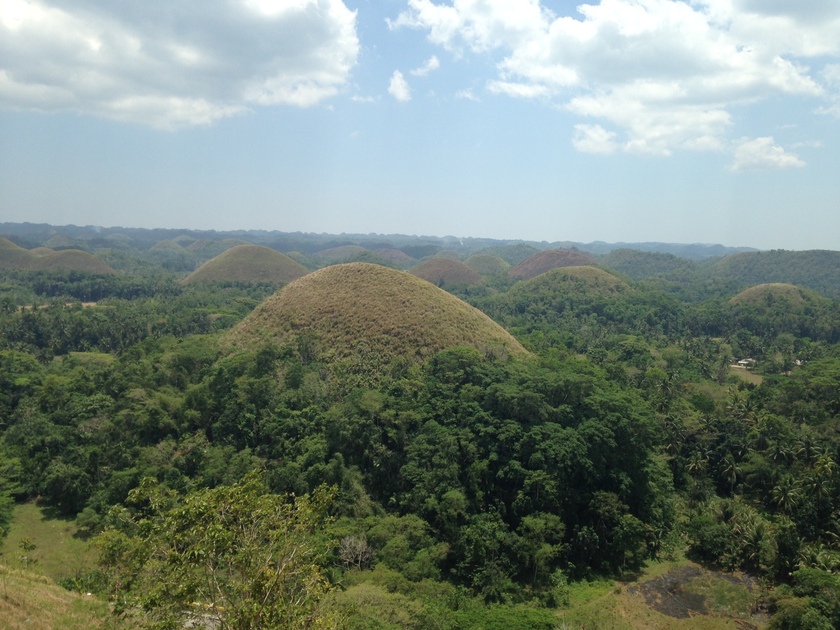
(786, 494)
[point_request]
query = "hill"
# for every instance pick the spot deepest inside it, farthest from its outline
(71, 260)
(487, 265)
(815, 269)
(359, 307)
(339, 254)
(14, 258)
(550, 259)
(640, 265)
(513, 254)
(446, 271)
(248, 263)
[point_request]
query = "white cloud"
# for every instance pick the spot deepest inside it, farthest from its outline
(398, 88)
(593, 139)
(430, 66)
(664, 73)
(467, 95)
(762, 154)
(192, 64)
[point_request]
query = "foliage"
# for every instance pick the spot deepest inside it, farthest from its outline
(235, 555)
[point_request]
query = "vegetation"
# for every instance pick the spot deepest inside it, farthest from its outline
(548, 260)
(446, 271)
(382, 454)
(248, 263)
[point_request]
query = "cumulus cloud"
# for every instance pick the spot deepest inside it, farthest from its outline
(594, 139)
(191, 63)
(665, 74)
(430, 66)
(467, 95)
(398, 88)
(762, 154)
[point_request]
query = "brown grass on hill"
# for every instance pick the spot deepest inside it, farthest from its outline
(248, 263)
(72, 260)
(15, 259)
(340, 253)
(394, 255)
(761, 293)
(487, 264)
(551, 259)
(41, 251)
(446, 271)
(594, 279)
(7, 244)
(390, 314)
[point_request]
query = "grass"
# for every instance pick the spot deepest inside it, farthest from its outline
(58, 552)
(35, 602)
(775, 290)
(345, 310)
(605, 605)
(488, 265)
(248, 263)
(551, 259)
(443, 271)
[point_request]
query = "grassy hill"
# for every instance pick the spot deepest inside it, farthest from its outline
(512, 254)
(640, 265)
(72, 260)
(248, 263)
(487, 265)
(550, 259)
(815, 269)
(446, 271)
(388, 313)
(14, 258)
(339, 254)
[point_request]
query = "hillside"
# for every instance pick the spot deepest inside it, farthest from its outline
(14, 258)
(248, 263)
(815, 269)
(390, 314)
(640, 265)
(487, 265)
(550, 259)
(72, 260)
(446, 271)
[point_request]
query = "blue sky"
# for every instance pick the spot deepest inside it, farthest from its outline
(708, 121)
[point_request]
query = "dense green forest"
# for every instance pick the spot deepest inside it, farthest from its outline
(469, 489)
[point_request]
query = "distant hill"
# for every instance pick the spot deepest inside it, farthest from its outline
(339, 254)
(640, 265)
(814, 269)
(349, 310)
(15, 258)
(446, 271)
(248, 263)
(395, 256)
(512, 254)
(487, 264)
(551, 259)
(72, 260)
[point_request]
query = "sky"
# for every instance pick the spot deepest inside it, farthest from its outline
(696, 121)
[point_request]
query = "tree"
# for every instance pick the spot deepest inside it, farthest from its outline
(234, 557)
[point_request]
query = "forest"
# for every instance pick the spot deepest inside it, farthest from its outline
(657, 414)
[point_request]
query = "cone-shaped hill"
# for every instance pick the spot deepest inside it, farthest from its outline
(591, 280)
(248, 263)
(775, 293)
(446, 271)
(488, 265)
(781, 308)
(72, 260)
(344, 309)
(13, 257)
(814, 269)
(551, 259)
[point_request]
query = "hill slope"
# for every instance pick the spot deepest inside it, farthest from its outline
(390, 314)
(815, 269)
(550, 259)
(444, 271)
(248, 263)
